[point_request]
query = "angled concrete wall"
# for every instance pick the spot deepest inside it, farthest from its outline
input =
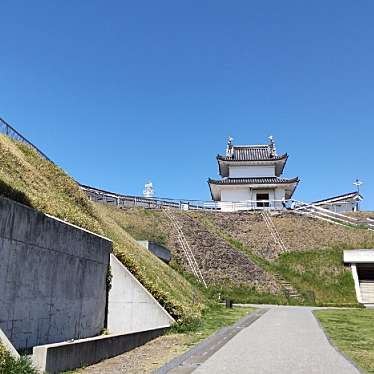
(52, 278)
(130, 306)
(8, 345)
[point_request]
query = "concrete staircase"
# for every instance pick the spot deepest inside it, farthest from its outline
(367, 292)
(289, 290)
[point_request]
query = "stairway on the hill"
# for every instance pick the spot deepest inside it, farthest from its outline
(217, 260)
(367, 292)
(289, 290)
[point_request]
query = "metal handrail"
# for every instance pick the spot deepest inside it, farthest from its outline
(118, 199)
(10, 131)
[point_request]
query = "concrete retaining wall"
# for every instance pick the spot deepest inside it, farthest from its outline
(55, 358)
(160, 251)
(131, 307)
(52, 278)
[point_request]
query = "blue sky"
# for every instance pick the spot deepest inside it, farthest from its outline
(122, 92)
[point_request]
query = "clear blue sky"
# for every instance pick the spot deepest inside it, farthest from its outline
(121, 92)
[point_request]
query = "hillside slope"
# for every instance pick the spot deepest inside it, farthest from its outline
(27, 178)
(312, 264)
(299, 233)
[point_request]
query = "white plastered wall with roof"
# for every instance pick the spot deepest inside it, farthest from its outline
(253, 171)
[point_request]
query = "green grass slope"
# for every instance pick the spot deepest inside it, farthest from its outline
(313, 263)
(27, 178)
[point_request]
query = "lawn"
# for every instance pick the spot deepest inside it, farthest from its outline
(216, 317)
(352, 331)
(319, 275)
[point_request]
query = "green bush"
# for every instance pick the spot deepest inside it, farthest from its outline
(11, 365)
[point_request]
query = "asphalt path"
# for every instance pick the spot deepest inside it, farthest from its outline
(284, 340)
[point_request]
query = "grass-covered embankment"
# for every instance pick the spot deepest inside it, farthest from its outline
(319, 275)
(352, 332)
(29, 179)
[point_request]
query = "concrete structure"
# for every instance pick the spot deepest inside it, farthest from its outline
(252, 174)
(160, 251)
(362, 265)
(59, 357)
(130, 306)
(342, 203)
(134, 317)
(52, 278)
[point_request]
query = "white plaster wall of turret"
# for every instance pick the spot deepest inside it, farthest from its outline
(254, 171)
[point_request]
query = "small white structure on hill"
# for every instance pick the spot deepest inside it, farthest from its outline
(342, 203)
(148, 190)
(252, 174)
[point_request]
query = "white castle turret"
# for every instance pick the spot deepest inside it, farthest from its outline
(252, 173)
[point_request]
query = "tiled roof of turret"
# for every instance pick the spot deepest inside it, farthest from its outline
(251, 153)
(257, 180)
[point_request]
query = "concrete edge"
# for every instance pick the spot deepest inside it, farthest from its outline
(8, 345)
(70, 355)
(57, 219)
(75, 226)
(362, 371)
(171, 319)
(225, 334)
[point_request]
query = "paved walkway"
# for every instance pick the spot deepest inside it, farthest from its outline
(284, 340)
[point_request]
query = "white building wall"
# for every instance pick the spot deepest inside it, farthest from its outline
(341, 207)
(280, 194)
(251, 171)
(235, 194)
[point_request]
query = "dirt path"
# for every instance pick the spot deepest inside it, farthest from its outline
(143, 359)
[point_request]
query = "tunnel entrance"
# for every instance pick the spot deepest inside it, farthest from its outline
(365, 272)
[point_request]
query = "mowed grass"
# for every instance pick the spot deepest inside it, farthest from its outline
(214, 318)
(352, 331)
(319, 275)
(29, 179)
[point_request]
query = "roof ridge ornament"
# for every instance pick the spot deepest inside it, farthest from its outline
(272, 147)
(229, 147)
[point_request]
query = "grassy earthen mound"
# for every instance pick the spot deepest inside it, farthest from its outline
(29, 179)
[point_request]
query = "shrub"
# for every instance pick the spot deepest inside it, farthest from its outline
(11, 365)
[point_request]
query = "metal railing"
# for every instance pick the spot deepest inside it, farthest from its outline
(330, 216)
(11, 132)
(120, 200)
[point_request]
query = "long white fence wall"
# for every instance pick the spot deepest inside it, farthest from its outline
(52, 278)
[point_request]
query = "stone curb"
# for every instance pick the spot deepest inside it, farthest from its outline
(190, 360)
